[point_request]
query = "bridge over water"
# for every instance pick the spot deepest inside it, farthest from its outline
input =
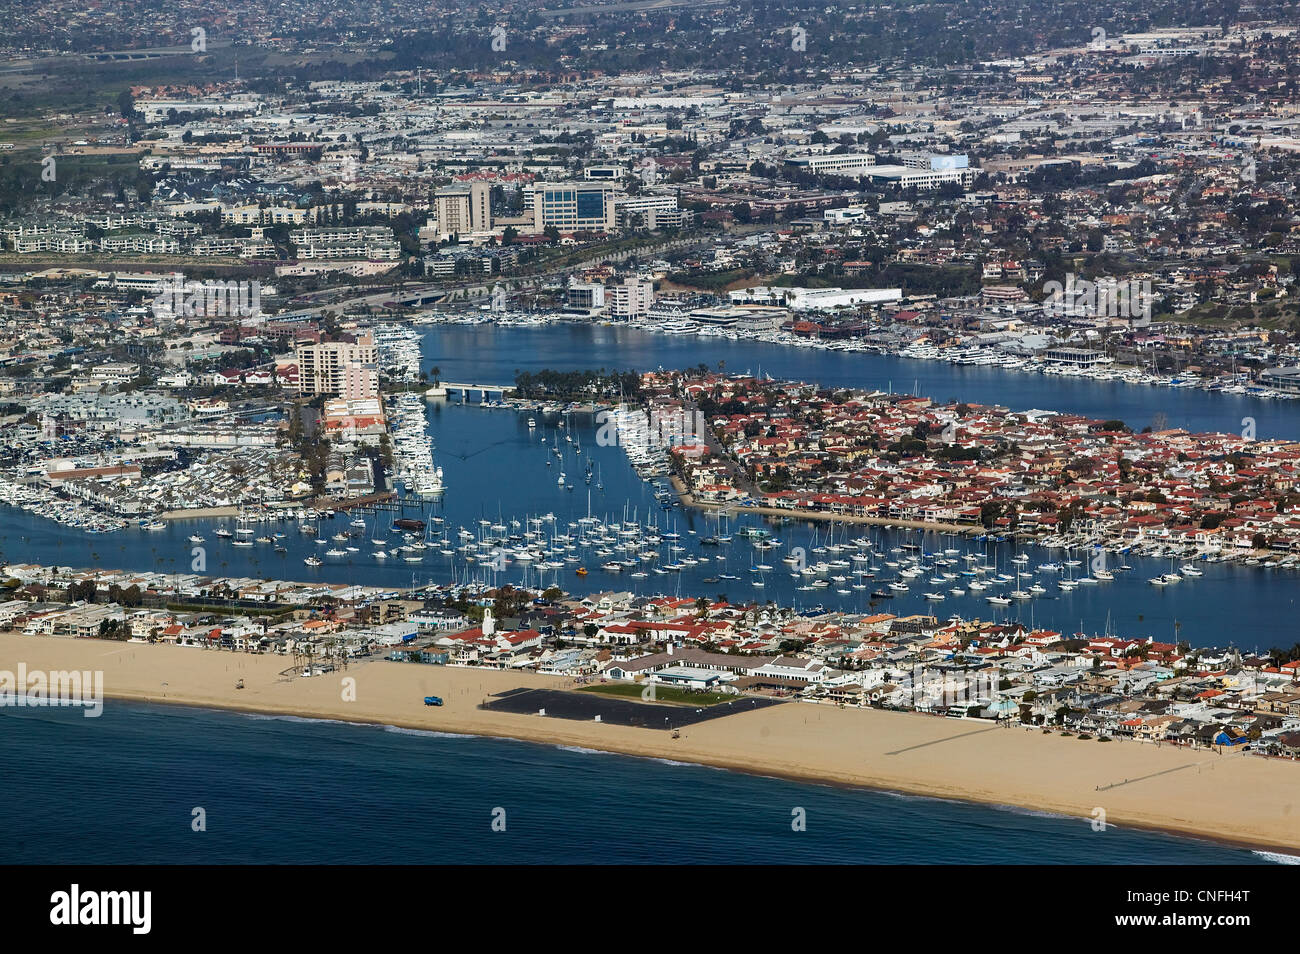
(447, 388)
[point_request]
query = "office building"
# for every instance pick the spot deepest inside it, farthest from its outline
(649, 210)
(585, 297)
(835, 164)
(906, 177)
(575, 206)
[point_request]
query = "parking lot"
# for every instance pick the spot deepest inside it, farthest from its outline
(586, 706)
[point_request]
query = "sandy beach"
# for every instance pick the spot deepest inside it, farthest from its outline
(1228, 797)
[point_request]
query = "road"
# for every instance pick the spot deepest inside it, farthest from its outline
(739, 479)
(482, 289)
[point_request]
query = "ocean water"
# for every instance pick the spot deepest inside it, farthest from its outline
(123, 788)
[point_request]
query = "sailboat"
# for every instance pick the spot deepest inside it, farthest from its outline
(1102, 574)
(726, 565)
(1171, 576)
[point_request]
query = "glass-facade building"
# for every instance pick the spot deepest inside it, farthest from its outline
(574, 206)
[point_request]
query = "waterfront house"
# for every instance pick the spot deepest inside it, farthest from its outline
(1285, 744)
(430, 655)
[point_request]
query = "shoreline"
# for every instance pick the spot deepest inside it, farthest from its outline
(198, 513)
(688, 500)
(1225, 798)
(1127, 374)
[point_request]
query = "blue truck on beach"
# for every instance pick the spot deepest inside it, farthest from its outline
(433, 700)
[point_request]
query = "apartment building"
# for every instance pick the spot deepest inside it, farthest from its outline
(217, 245)
(388, 210)
(116, 373)
(631, 298)
(140, 242)
(69, 242)
(257, 215)
(371, 242)
(348, 369)
(23, 228)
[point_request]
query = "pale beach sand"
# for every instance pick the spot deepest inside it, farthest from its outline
(1230, 797)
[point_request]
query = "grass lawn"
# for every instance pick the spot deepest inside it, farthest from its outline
(661, 694)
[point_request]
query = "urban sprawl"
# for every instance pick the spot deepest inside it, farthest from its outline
(221, 257)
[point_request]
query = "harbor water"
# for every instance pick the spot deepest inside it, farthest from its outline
(499, 471)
